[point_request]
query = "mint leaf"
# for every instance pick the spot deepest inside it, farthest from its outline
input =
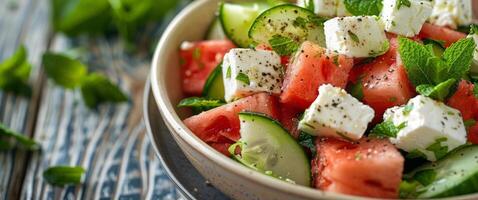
(64, 175)
(308, 141)
(364, 7)
(200, 103)
(387, 129)
(97, 89)
(401, 3)
(437, 47)
(439, 92)
(437, 148)
(18, 137)
(14, 73)
(415, 59)
(74, 17)
(283, 45)
(459, 57)
(63, 70)
(243, 78)
(300, 22)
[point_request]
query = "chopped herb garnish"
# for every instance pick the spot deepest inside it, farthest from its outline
(356, 90)
(387, 129)
(401, 3)
(438, 149)
(309, 4)
(416, 154)
(425, 177)
(283, 45)
(407, 109)
(200, 103)
(300, 22)
(243, 78)
(64, 175)
(307, 141)
(228, 72)
(469, 123)
(353, 37)
(336, 60)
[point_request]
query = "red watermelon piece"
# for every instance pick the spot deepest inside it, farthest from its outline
(445, 34)
(463, 100)
(311, 67)
(384, 81)
(223, 122)
(198, 59)
(369, 167)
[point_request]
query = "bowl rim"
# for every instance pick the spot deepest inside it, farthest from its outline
(172, 119)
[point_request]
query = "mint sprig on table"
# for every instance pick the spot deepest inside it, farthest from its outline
(71, 74)
(9, 138)
(126, 17)
(364, 7)
(434, 75)
(14, 73)
(64, 175)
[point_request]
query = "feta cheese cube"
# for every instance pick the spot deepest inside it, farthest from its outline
(249, 71)
(327, 8)
(405, 20)
(474, 65)
(362, 36)
(336, 114)
(430, 128)
(452, 13)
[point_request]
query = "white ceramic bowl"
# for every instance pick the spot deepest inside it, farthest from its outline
(227, 175)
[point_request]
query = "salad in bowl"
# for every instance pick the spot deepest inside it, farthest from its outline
(365, 98)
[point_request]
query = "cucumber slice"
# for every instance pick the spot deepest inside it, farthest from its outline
(268, 148)
(214, 86)
(456, 174)
(287, 20)
(215, 31)
(236, 19)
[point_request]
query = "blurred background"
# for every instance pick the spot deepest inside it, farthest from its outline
(72, 74)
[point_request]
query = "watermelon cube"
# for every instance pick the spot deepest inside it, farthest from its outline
(369, 167)
(311, 67)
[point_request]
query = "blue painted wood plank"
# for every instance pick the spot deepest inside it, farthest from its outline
(18, 20)
(110, 142)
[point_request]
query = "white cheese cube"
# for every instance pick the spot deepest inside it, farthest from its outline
(249, 71)
(428, 127)
(474, 65)
(326, 8)
(405, 20)
(342, 10)
(356, 36)
(336, 114)
(452, 13)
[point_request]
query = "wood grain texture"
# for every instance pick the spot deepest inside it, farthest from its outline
(109, 142)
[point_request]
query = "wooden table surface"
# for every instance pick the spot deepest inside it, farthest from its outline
(110, 143)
